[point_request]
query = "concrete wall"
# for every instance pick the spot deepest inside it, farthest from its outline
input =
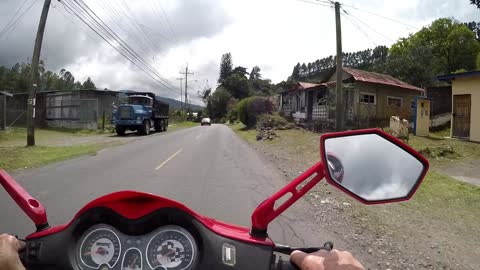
(470, 85)
(422, 127)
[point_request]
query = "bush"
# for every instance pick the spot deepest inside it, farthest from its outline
(249, 108)
(274, 121)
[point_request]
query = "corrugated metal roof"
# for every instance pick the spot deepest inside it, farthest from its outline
(305, 85)
(373, 77)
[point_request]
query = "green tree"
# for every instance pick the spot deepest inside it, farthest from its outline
(255, 74)
(296, 72)
(441, 48)
(219, 103)
(475, 2)
(226, 65)
(478, 61)
(237, 85)
(88, 84)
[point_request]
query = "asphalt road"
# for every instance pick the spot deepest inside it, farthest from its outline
(209, 169)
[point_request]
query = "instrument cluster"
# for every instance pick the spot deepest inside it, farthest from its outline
(169, 247)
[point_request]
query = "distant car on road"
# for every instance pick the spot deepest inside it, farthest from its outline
(206, 121)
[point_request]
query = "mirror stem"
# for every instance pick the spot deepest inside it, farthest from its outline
(266, 211)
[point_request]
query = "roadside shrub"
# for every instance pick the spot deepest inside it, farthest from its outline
(273, 121)
(249, 108)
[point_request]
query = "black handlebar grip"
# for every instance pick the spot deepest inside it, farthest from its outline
(286, 265)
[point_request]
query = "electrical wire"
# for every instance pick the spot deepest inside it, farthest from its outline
(13, 17)
(122, 43)
(317, 3)
(360, 29)
(169, 24)
(81, 12)
(381, 16)
(368, 26)
(12, 26)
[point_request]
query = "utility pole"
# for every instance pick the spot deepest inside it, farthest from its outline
(33, 88)
(181, 93)
(186, 73)
(339, 108)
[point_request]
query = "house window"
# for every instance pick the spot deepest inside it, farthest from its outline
(394, 101)
(367, 98)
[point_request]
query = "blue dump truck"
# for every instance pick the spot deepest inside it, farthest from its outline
(141, 112)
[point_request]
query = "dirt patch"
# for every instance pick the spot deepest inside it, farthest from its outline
(428, 232)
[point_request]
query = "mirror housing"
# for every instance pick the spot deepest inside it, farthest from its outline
(371, 165)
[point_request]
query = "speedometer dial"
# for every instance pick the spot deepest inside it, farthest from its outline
(100, 247)
(172, 248)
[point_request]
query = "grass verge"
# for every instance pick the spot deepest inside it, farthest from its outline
(20, 157)
(179, 125)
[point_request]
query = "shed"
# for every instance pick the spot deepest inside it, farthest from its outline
(3, 109)
(465, 104)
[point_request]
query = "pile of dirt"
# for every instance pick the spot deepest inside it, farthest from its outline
(439, 152)
(265, 133)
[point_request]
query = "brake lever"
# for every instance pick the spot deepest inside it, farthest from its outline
(287, 250)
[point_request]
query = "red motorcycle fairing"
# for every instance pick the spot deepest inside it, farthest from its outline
(134, 205)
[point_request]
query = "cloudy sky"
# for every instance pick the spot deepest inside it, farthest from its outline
(273, 34)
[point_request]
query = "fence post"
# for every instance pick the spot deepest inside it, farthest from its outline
(103, 120)
(4, 120)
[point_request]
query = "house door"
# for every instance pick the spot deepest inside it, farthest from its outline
(461, 116)
(309, 105)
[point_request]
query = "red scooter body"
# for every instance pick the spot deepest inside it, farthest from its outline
(136, 230)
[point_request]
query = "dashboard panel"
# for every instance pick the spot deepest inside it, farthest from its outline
(166, 239)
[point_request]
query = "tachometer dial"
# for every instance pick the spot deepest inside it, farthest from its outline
(172, 248)
(100, 247)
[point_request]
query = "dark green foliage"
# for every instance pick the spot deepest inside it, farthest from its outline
(17, 79)
(248, 109)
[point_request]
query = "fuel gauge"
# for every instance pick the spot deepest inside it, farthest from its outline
(132, 259)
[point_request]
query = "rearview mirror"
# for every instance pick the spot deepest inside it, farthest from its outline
(371, 165)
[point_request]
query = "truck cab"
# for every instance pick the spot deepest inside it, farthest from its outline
(141, 112)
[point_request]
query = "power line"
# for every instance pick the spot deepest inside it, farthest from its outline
(164, 26)
(12, 26)
(13, 17)
(122, 43)
(102, 31)
(368, 26)
(322, 3)
(381, 16)
(125, 26)
(169, 24)
(360, 29)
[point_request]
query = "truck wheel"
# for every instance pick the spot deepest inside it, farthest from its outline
(157, 126)
(145, 129)
(120, 130)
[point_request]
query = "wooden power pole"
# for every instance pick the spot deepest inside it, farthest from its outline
(340, 107)
(186, 73)
(181, 93)
(33, 88)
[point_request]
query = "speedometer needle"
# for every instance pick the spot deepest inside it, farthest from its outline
(168, 253)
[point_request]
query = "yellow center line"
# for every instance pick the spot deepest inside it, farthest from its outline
(168, 159)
